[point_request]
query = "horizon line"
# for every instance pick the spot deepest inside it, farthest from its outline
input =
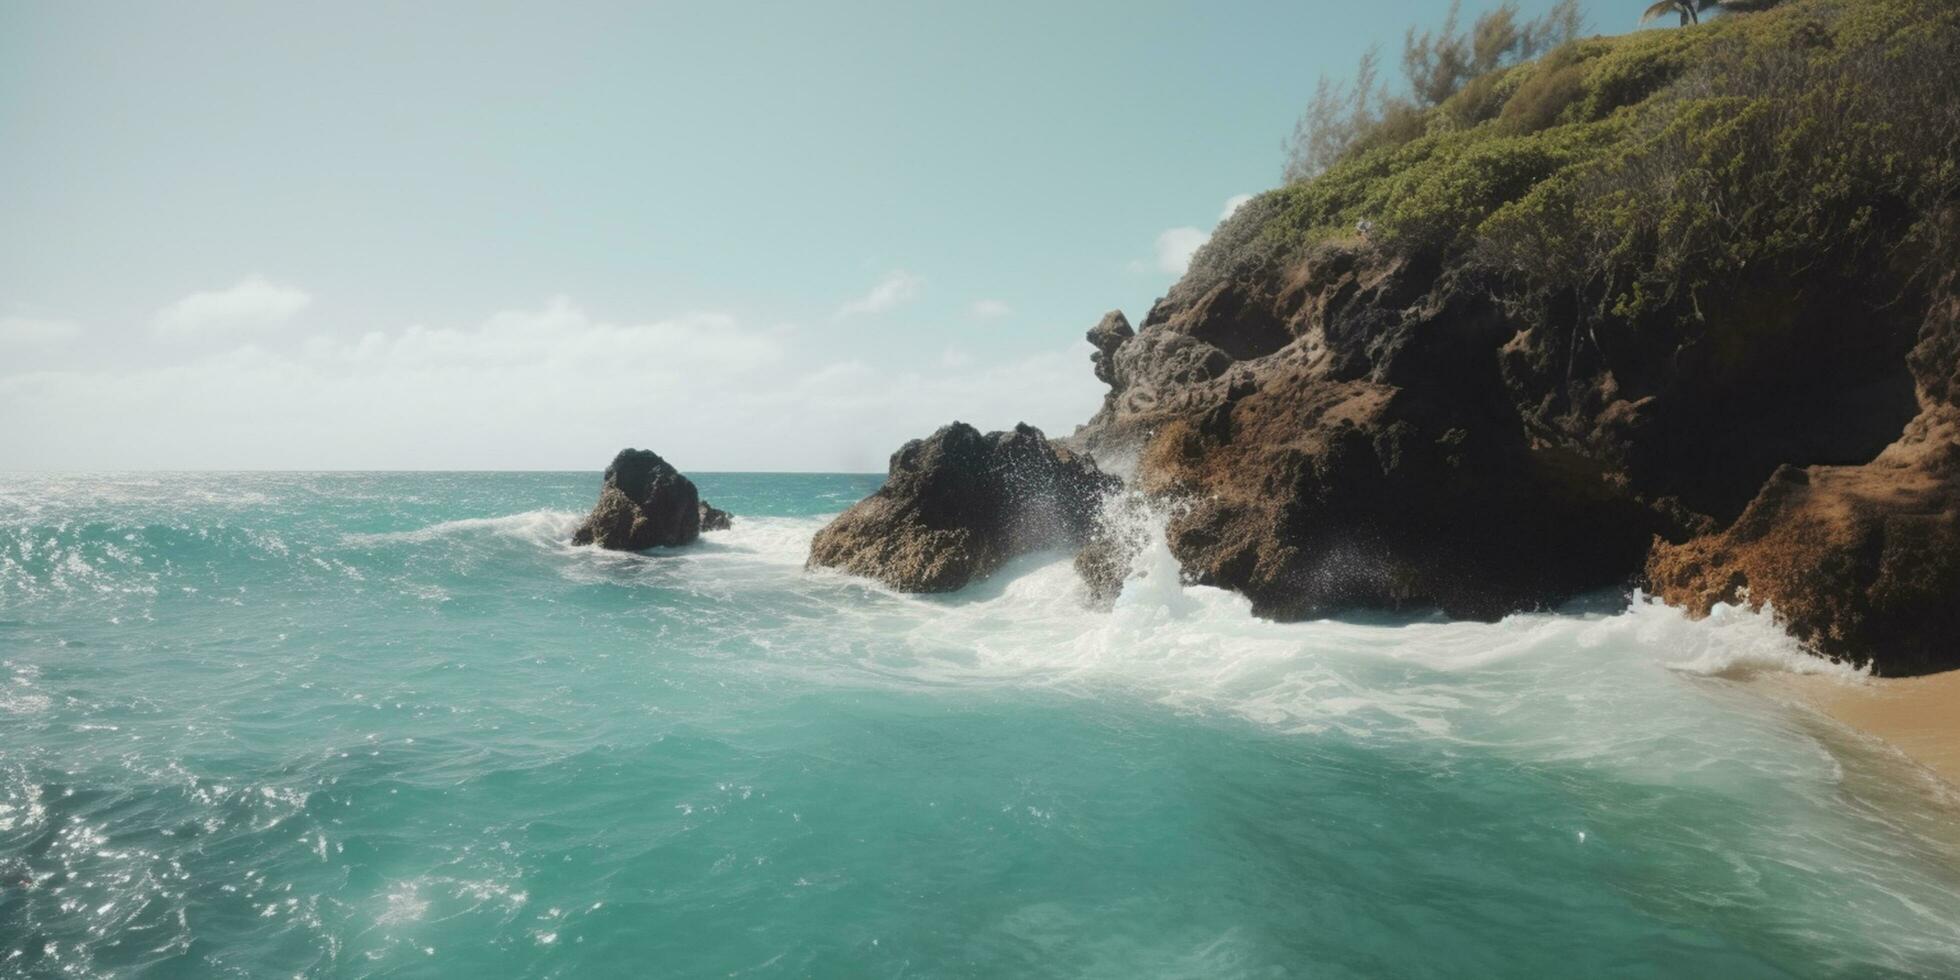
(219, 472)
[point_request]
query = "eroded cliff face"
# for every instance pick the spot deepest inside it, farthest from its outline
(1361, 428)
(1860, 561)
(1674, 310)
(1339, 435)
(1671, 309)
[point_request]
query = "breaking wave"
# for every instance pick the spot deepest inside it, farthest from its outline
(395, 724)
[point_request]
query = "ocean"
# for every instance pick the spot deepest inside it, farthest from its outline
(394, 725)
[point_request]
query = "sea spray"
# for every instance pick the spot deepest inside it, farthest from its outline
(1154, 581)
(359, 724)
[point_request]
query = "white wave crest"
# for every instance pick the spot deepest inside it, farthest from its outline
(541, 526)
(1201, 648)
(1732, 641)
(776, 541)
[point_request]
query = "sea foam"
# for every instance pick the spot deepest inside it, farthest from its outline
(262, 738)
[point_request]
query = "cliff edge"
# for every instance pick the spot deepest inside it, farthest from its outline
(1673, 309)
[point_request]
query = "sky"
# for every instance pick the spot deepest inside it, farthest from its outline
(749, 236)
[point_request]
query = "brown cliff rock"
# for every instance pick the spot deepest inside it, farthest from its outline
(1861, 562)
(1368, 429)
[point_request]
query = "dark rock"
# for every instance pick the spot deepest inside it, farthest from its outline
(1108, 336)
(1557, 383)
(714, 518)
(644, 503)
(1367, 429)
(1861, 562)
(1110, 553)
(1357, 450)
(958, 505)
(1103, 563)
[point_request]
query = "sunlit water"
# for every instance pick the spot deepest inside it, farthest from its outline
(393, 725)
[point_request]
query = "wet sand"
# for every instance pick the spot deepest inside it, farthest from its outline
(1919, 716)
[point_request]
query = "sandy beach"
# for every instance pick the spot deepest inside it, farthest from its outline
(1919, 716)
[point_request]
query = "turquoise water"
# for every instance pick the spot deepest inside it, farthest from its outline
(391, 725)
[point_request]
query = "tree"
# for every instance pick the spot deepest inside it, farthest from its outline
(1435, 62)
(1348, 118)
(1690, 10)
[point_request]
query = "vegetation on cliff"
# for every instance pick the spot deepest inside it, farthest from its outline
(1652, 167)
(1674, 308)
(1348, 117)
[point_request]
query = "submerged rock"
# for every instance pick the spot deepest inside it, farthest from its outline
(1121, 534)
(1103, 563)
(714, 518)
(958, 505)
(644, 503)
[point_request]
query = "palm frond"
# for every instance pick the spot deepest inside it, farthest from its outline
(1661, 9)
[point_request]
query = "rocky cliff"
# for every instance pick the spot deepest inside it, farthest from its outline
(1672, 309)
(1861, 561)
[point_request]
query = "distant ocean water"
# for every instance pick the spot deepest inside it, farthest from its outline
(353, 725)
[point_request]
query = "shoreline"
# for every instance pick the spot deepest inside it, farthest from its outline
(1916, 717)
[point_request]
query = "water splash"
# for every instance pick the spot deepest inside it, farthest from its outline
(1154, 585)
(261, 748)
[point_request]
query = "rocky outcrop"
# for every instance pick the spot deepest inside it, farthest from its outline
(644, 503)
(1108, 337)
(1104, 562)
(1365, 429)
(1676, 313)
(958, 505)
(714, 518)
(1861, 562)
(1340, 437)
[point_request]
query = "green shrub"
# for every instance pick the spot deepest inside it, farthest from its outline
(1481, 99)
(1551, 88)
(1642, 171)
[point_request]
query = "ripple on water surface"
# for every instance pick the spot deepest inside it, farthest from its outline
(386, 724)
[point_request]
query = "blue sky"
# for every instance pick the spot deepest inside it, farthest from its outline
(749, 236)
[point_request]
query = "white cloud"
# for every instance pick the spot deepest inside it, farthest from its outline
(990, 309)
(253, 303)
(1176, 246)
(561, 337)
(866, 412)
(896, 288)
(28, 331)
(549, 387)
